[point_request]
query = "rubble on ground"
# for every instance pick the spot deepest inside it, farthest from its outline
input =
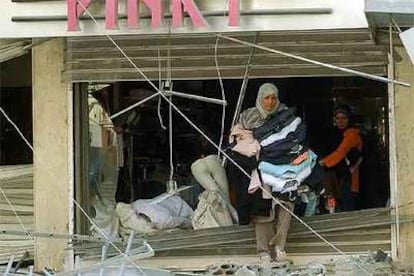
(372, 263)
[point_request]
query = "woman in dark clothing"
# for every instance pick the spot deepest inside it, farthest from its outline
(273, 224)
(346, 158)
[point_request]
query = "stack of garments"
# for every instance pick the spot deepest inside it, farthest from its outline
(284, 161)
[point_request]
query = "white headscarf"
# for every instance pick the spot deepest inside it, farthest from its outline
(255, 116)
(266, 90)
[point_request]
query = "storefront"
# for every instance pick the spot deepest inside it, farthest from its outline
(192, 56)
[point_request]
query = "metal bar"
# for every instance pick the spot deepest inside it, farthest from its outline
(395, 24)
(195, 97)
(242, 90)
(103, 256)
(9, 265)
(43, 18)
(244, 84)
(334, 67)
(137, 253)
(392, 152)
(65, 236)
(127, 250)
(134, 105)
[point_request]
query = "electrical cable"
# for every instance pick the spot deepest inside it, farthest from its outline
(223, 97)
(160, 88)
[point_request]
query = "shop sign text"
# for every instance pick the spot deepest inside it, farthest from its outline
(75, 9)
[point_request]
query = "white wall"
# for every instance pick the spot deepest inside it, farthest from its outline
(345, 14)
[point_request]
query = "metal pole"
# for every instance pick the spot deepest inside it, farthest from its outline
(103, 257)
(134, 105)
(195, 97)
(52, 235)
(174, 93)
(9, 265)
(127, 250)
(244, 85)
(395, 228)
(334, 67)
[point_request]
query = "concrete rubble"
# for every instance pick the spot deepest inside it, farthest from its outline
(372, 263)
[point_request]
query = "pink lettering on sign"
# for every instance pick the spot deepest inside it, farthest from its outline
(111, 14)
(155, 7)
(234, 13)
(192, 10)
(75, 9)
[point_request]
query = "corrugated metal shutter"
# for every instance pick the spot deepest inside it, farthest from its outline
(11, 48)
(351, 232)
(193, 56)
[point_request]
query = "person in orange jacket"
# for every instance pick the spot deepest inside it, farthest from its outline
(346, 158)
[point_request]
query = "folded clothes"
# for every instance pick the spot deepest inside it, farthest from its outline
(286, 158)
(288, 171)
(274, 153)
(292, 143)
(298, 135)
(284, 185)
(304, 156)
(282, 134)
(275, 123)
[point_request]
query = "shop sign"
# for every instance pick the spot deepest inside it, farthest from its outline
(76, 8)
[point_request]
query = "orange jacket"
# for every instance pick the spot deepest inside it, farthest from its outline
(352, 139)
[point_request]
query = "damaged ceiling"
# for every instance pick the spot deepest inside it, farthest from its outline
(192, 56)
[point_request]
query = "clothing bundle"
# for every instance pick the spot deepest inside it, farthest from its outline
(214, 208)
(284, 161)
(165, 211)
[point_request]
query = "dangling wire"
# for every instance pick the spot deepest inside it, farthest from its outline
(160, 88)
(170, 122)
(223, 97)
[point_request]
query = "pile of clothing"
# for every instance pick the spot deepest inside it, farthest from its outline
(284, 161)
(165, 211)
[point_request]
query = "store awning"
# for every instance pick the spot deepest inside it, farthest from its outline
(192, 56)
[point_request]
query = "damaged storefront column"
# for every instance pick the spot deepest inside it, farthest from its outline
(52, 142)
(404, 124)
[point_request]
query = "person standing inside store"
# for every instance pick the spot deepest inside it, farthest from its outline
(272, 225)
(346, 158)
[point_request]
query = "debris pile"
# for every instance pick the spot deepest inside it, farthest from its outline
(372, 263)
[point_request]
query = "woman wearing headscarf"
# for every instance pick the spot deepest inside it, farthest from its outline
(267, 103)
(271, 221)
(346, 158)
